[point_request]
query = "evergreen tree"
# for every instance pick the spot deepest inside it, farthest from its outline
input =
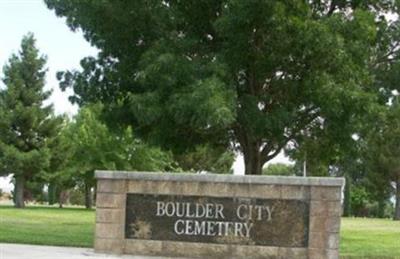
(26, 123)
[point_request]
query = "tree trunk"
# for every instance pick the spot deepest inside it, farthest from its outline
(19, 192)
(63, 197)
(95, 194)
(252, 160)
(381, 207)
(51, 193)
(397, 208)
(88, 196)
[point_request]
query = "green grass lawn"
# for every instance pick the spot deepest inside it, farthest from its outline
(372, 238)
(360, 238)
(47, 226)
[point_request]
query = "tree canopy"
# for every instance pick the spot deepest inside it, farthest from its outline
(86, 144)
(382, 156)
(251, 76)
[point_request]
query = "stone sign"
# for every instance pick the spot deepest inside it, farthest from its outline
(217, 216)
(220, 220)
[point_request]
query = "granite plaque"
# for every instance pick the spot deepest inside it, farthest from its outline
(220, 220)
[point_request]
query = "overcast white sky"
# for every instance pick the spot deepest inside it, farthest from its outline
(63, 48)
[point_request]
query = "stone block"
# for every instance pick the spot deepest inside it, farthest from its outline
(318, 208)
(317, 224)
(333, 241)
(323, 254)
(111, 186)
(326, 193)
(325, 208)
(155, 187)
(295, 192)
(106, 245)
(150, 186)
(110, 230)
(242, 190)
(317, 240)
(220, 189)
(189, 188)
(214, 189)
(332, 254)
(333, 224)
(110, 200)
(293, 253)
(105, 215)
(197, 250)
(135, 186)
(255, 252)
(140, 247)
(314, 253)
(334, 208)
(265, 191)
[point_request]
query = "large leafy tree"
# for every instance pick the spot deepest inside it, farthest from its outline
(26, 123)
(245, 75)
(91, 146)
(383, 156)
(207, 158)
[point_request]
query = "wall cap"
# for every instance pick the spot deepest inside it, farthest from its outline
(220, 178)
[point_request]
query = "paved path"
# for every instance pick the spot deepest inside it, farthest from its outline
(14, 251)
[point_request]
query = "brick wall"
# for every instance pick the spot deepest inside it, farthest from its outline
(322, 194)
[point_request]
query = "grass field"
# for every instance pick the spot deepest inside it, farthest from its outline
(372, 238)
(47, 226)
(360, 238)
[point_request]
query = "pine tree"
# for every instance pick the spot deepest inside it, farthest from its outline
(26, 123)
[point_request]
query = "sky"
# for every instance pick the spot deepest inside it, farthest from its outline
(64, 50)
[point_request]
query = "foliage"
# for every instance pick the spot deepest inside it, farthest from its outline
(86, 144)
(77, 197)
(94, 146)
(34, 191)
(247, 75)
(26, 123)
(382, 154)
(207, 158)
(57, 176)
(359, 199)
(279, 169)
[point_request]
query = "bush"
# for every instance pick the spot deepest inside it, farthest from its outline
(358, 200)
(363, 204)
(279, 169)
(77, 197)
